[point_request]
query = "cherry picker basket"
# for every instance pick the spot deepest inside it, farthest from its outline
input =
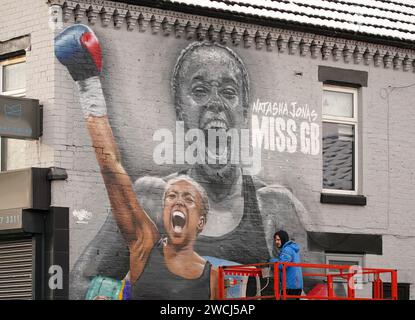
(328, 282)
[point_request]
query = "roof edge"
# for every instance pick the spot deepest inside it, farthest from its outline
(293, 26)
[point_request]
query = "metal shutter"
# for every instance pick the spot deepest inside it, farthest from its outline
(16, 269)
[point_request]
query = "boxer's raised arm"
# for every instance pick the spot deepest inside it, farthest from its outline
(78, 49)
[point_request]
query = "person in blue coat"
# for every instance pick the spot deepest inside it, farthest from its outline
(289, 251)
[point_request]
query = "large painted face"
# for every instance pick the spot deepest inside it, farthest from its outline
(210, 95)
(182, 213)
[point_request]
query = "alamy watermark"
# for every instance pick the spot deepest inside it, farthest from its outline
(56, 277)
(211, 147)
(356, 280)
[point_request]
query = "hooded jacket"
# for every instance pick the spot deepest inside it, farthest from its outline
(290, 252)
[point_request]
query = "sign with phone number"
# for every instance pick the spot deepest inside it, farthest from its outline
(10, 219)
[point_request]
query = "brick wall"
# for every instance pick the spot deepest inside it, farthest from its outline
(22, 18)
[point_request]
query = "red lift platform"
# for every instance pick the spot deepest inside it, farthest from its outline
(324, 276)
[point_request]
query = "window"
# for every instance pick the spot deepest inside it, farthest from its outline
(13, 83)
(340, 132)
(340, 259)
(13, 77)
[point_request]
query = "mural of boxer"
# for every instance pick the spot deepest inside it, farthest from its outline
(211, 91)
(210, 87)
(185, 274)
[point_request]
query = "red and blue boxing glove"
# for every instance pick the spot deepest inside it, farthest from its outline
(77, 48)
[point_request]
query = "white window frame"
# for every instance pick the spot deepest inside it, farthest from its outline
(359, 258)
(349, 121)
(14, 93)
(7, 62)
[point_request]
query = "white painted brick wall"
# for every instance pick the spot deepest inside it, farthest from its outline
(30, 17)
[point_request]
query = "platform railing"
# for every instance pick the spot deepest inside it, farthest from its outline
(327, 275)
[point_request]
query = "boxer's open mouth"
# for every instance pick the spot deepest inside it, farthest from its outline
(216, 153)
(178, 221)
(216, 124)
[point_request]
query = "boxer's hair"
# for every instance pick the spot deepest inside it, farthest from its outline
(175, 82)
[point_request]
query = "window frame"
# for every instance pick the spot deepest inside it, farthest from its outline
(14, 93)
(354, 121)
(8, 62)
(360, 258)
